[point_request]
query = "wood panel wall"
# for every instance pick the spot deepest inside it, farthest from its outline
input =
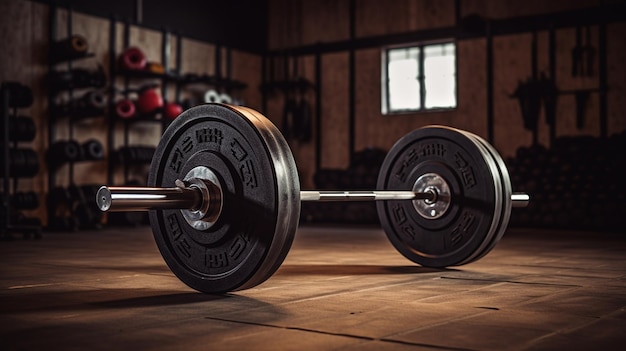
(25, 37)
(23, 29)
(306, 22)
(24, 34)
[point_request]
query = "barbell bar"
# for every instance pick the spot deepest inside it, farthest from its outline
(224, 197)
(127, 199)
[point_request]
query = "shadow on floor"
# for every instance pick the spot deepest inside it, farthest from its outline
(160, 300)
(338, 269)
(99, 298)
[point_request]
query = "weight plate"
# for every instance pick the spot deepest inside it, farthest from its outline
(225, 98)
(211, 96)
(125, 108)
(22, 129)
(92, 149)
(507, 192)
(96, 99)
(471, 220)
(261, 198)
(133, 59)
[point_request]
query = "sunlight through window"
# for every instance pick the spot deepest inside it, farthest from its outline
(419, 78)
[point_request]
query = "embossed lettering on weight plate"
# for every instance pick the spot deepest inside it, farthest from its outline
(180, 153)
(237, 150)
(462, 229)
(209, 135)
(428, 149)
(223, 259)
(176, 233)
(400, 217)
(238, 246)
(406, 165)
(467, 172)
(246, 167)
(433, 149)
(217, 260)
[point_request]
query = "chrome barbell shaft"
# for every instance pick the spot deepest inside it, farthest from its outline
(337, 195)
(517, 199)
(121, 199)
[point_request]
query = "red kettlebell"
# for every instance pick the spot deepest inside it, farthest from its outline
(125, 108)
(133, 59)
(172, 110)
(149, 101)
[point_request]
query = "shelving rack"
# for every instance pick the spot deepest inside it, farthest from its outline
(69, 115)
(9, 222)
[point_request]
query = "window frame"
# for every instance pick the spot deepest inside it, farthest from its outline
(385, 96)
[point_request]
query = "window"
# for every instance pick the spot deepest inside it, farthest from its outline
(419, 78)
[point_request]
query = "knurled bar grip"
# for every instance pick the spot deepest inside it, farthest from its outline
(123, 199)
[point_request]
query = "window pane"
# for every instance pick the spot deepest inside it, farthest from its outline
(403, 54)
(414, 80)
(440, 76)
(404, 88)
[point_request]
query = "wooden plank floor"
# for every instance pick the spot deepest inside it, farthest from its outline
(339, 289)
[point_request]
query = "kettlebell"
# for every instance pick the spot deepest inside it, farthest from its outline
(172, 110)
(149, 101)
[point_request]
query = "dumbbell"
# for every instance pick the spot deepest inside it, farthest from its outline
(20, 95)
(69, 48)
(22, 162)
(212, 96)
(92, 150)
(224, 197)
(22, 128)
(61, 152)
(25, 200)
(91, 104)
(77, 78)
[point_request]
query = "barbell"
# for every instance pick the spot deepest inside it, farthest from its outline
(224, 197)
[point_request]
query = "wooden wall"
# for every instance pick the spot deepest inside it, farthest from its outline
(25, 36)
(23, 29)
(306, 22)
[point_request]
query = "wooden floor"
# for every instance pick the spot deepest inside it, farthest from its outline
(339, 289)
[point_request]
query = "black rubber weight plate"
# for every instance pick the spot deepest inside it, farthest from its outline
(505, 183)
(469, 224)
(261, 198)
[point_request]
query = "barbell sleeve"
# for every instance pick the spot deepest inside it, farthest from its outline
(124, 199)
(520, 199)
